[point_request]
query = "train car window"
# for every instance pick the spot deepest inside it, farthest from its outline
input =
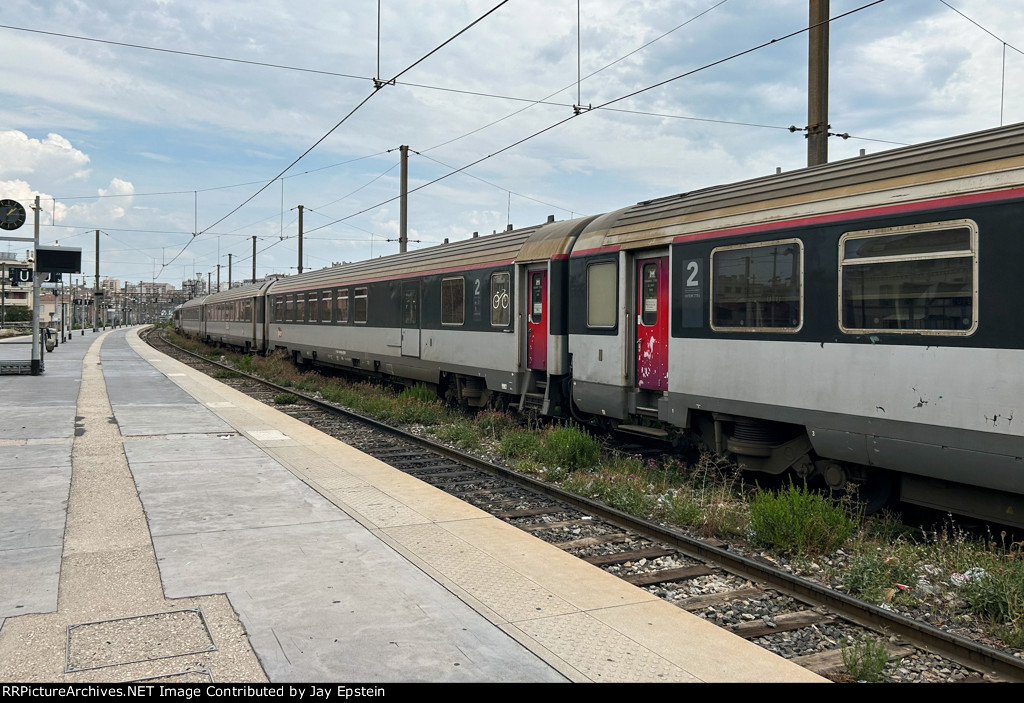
(537, 297)
(314, 307)
(757, 287)
(341, 306)
(325, 306)
(411, 304)
(649, 294)
(453, 301)
(300, 307)
(278, 308)
(289, 307)
(917, 279)
(501, 309)
(247, 311)
(602, 282)
(359, 305)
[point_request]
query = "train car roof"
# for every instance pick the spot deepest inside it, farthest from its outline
(194, 301)
(237, 293)
(553, 240)
(529, 244)
(961, 165)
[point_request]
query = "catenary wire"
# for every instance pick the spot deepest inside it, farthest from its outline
(609, 102)
(341, 122)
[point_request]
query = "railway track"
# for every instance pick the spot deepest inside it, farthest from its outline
(794, 617)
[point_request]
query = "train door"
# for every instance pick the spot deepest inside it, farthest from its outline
(537, 321)
(652, 324)
(411, 319)
(251, 306)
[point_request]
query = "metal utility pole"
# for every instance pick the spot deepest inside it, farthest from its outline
(96, 288)
(36, 365)
(817, 84)
(209, 289)
(218, 278)
(403, 209)
(229, 271)
(254, 259)
(300, 239)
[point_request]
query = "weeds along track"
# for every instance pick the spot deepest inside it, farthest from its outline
(793, 617)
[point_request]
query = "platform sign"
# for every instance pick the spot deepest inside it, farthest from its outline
(22, 274)
(59, 259)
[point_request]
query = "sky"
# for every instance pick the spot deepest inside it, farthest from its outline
(179, 160)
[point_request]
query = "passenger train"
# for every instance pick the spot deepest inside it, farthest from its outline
(858, 321)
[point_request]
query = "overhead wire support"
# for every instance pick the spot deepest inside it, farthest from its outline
(579, 41)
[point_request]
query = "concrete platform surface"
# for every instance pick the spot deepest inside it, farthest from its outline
(241, 544)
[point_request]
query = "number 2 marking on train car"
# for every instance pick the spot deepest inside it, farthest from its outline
(692, 280)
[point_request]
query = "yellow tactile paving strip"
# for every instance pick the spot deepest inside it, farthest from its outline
(589, 624)
(601, 652)
(512, 596)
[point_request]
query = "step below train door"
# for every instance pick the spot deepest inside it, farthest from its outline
(537, 321)
(652, 324)
(411, 319)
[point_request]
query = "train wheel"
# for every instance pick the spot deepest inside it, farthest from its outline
(875, 490)
(450, 390)
(497, 402)
(871, 489)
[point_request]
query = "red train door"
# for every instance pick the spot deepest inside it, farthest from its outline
(652, 324)
(537, 321)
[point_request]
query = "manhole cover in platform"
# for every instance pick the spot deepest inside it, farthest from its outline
(129, 640)
(267, 435)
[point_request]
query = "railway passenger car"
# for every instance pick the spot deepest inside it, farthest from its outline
(482, 319)
(189, 319)
(859, 320)
(237, 317)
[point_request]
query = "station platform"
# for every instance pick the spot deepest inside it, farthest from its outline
(158, 525)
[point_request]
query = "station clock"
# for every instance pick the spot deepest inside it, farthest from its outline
(12, 214)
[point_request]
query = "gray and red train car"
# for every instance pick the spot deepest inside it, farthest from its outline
(858, 321)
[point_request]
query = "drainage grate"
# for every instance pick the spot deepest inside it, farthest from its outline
(95, 645)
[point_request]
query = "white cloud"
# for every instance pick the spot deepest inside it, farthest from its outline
(52, 158)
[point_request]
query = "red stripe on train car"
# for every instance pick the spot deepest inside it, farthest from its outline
(597, 250)
(410, 277)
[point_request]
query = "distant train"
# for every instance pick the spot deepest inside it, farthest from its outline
(859, 321)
